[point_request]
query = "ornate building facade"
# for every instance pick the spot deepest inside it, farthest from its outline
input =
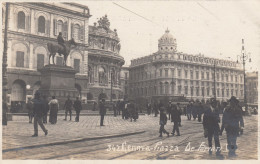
(125, 81)
(252, 87)
(104, 61)
(30, 27)
(172, 74)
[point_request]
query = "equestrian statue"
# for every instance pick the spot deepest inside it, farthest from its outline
(62, 48)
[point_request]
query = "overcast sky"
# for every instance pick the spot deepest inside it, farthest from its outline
(210, 28)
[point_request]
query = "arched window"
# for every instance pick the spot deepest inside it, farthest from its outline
(161, 88)
(21, 20)
(41, 24)
(90, 75)
(102, 75)
(76, 32)
(60, 26)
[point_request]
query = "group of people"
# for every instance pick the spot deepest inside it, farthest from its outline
(39, 107)
(232, 121)
(174, 112)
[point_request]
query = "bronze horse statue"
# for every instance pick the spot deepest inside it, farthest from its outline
(56, 48)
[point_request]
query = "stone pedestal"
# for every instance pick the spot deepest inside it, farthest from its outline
(58, 81)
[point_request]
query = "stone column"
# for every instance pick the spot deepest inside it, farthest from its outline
(69, 28)
(51, 25)
(33, 22)
(31, 56)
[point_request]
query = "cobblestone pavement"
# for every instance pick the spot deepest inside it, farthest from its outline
(111, 148)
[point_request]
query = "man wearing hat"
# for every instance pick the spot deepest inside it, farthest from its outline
(78, 107)
(232, 121)
(38, 111)
(68, 107)
(211, 126)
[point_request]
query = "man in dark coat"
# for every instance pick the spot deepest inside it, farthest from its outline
(189, 110)
(68, 107)
(77, 106)
(232, 121)
(180, 113)
(194, 110)
(211, 121)
(38, 112)
(102, 111)
(169, 109)
(46, 107)
(175, 118)
(163, 121)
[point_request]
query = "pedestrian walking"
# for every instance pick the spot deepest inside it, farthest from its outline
(189, 110)
(118, 107)
(232, 122)
(38, 112)
(78, 107)
(46, 107)
(194, 110)
(102, 111)
(54, 107)
(122, 107)
(148, 107)
(180, 113)
(29, 107)
(169, 109)
(114, 108)
(68, 107)
(211, 121)
(163, 122)
(175, 118)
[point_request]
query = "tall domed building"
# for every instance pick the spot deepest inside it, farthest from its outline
(171, 75)
(104, 62)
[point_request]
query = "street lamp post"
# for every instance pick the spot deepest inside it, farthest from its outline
(111, 87)
(4, 70)
(243, 57)
(215, 96)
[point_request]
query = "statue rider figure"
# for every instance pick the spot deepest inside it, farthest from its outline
(61, 42)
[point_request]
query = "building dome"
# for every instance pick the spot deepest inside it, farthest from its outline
(167, 42)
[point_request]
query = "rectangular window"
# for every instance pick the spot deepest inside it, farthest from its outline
(191, 74)
(197, 91)
(172, 72)
(207, 76)
(126, 76)
(179, 89)
(217, 76)
(186, 74)
(59, 60)
(222, 77)
(197, 75)
(231, 78)
(186, 90)
(77, 65)
(223, 94)
(207, 91)
(160, 73)
(236, 78)
(19, 59)
(191, 91)
(227, 78)
(227, 93)
(202, 75)
(166, 73)
(197, 83)
(179, 73)
(40, 61)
